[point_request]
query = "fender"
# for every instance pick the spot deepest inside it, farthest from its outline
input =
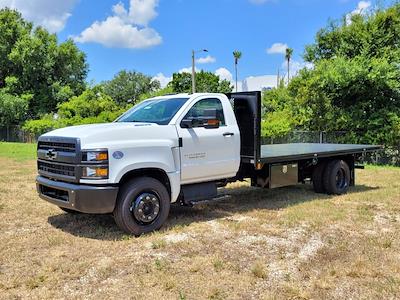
(173, 177)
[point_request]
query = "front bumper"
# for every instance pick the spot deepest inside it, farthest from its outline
(83, 198)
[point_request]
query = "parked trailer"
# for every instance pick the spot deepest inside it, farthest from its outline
(179, 148)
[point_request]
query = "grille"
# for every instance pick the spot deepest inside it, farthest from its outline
(62, 147)
(57, 169)
(54, 193)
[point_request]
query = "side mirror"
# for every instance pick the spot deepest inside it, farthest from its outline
(187, 123)
(210, 119)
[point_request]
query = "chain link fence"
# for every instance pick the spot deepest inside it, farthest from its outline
(388, 156)
(16, 134)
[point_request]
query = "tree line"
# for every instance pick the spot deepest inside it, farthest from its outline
(353, 84)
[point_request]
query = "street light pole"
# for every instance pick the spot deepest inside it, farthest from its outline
(194, 68)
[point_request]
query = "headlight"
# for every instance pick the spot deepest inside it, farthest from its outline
(93, 156)
(95, 164)
(95, 172)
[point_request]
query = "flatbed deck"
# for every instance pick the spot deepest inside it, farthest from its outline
(293, 152)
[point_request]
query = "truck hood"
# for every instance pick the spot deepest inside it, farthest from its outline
(101, 135)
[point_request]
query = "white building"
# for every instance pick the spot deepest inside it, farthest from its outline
(259, 83)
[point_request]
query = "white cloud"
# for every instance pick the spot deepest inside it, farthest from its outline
(206, 60)
(362, 8)
(115, 33)
(141, 12)
(164, 80)
(277, 48)
(46, 13)
(125, 29)
(224, 73)
(187, 70)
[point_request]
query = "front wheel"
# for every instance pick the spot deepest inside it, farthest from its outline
(142, 206)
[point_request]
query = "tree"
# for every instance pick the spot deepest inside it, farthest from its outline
(206, 82)
(32, 61)
(92, 106)
(13, 109)
(127, 87)
(360, 95)
(373, 35)
(288, 57)
(162, 92)
(354, 85)
(12, 28)
(237, 55)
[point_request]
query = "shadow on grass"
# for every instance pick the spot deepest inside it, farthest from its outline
(240, 200)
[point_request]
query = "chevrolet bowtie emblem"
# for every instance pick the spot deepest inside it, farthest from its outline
(51, 154)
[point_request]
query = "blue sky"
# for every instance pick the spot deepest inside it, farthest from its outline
(156, 36)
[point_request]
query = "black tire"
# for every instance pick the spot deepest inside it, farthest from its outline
(317, 178)
(336, 177)
(69, 211)
(129, 203)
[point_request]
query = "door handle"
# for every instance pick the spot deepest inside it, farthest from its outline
(228, 134)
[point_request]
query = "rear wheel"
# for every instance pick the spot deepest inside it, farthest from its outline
(336, 179)
(317, 178)
(142, 206)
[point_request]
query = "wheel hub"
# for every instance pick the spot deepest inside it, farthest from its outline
(341, 181)
(145, 208)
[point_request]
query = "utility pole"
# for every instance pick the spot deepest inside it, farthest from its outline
(194, 68)
(193, 73)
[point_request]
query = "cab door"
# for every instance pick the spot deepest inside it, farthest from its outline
(208, 153)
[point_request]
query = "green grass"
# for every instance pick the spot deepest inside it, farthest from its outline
(18, 151)
(377, 167)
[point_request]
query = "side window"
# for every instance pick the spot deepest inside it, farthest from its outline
(197, 111)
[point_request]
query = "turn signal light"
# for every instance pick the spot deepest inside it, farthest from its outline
(102, 172)
(212, 122)
(102, 156)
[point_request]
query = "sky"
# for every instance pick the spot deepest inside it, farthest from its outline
(156, 37)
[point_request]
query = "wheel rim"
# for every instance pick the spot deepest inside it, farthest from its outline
(341, 181)
(146, 208)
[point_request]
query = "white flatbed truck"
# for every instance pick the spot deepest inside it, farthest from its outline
(179, 149)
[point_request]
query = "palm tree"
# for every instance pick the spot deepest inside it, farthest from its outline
(237, 55)
(288, 57)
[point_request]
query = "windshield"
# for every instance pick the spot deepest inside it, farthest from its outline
(159, 111)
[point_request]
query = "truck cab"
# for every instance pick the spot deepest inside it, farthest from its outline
(177, 148)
